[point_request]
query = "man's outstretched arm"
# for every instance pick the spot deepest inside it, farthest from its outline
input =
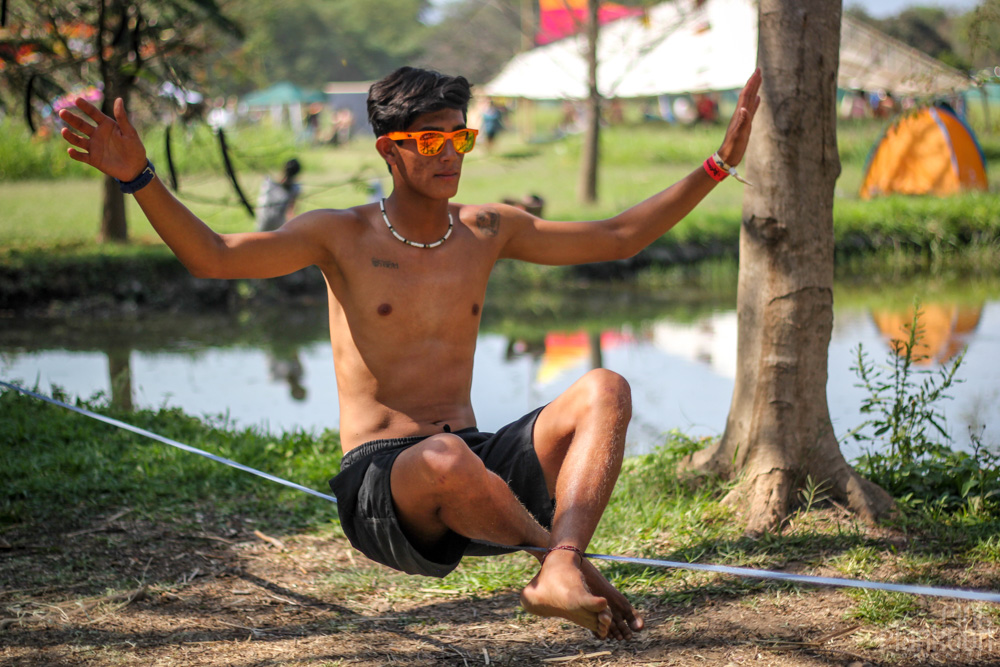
(113, 146)
(549, 242)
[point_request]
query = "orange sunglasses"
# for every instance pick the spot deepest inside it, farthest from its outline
(431, 142)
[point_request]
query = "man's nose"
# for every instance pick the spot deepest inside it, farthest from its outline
(449, 151)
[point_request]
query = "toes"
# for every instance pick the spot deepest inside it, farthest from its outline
(624, 632)
(636, 623)
(605, 625)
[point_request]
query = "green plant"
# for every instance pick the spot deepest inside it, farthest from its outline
(904, 399)
(813, 492)
(910, 454)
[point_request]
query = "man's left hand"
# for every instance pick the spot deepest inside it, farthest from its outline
(738, 132)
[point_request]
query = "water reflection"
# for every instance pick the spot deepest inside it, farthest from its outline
(120, 377)
(559, 352)
(943, 329)
(288, 369)
(275, 369)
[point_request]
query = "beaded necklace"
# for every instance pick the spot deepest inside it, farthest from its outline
(400, 237)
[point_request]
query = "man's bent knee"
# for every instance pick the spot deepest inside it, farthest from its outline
(442, 464)
(607, 389)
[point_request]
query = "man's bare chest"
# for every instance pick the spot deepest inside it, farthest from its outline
(414, 292)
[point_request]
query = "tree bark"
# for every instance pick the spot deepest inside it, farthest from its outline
(779, 434)
(115, 40)
(587, 187)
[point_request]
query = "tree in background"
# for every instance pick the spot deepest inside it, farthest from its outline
(586, 189)
(964, 41)
(314, 42)
(778, 434)
(929, 29)
(590, 158)
(982, 25)
(117, 47)
(476, 38)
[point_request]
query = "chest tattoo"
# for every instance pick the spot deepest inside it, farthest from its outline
(384, 264)
(488, 222)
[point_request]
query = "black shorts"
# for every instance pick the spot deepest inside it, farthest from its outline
(368, 516)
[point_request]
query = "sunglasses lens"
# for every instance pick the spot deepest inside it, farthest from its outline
(430, 143)
(463, 140)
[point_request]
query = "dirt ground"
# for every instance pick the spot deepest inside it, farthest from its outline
(240, 598)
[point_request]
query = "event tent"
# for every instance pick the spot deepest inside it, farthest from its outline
(280, 96)
(927, 151)
(689, 46)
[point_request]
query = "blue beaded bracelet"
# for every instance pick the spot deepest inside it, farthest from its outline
(140, 181)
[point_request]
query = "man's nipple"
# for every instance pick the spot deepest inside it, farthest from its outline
(384, 309)
(475, 309)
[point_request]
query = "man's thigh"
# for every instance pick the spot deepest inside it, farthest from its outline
(418, 482)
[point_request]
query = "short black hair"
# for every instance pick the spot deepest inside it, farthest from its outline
(397, 99)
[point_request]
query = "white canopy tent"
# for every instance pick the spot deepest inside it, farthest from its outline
(680, 47)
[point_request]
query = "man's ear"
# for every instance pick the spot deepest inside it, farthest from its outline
(386, 147)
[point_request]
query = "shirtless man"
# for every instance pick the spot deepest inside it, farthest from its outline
(406, 279)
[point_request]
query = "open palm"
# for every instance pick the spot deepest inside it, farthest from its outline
(738, 133)
(109, 144)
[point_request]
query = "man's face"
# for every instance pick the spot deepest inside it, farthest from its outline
(434, 176)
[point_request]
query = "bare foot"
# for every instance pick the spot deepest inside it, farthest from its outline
(559, 590)
(624, 618)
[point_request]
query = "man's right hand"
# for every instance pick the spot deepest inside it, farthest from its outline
(111, 144)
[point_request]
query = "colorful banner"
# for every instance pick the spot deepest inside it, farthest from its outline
(561, 18)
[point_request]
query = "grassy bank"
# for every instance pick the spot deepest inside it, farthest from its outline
(58, 466)
(48, 256)
(637, 161)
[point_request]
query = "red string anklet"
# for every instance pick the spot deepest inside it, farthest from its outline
(565, 547)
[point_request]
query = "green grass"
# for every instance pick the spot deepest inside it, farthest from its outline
(56, 465)
(58, 468)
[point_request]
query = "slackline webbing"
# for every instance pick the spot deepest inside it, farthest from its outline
(167, 441)
(913, 589)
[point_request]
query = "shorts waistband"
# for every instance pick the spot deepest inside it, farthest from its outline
(374, 446)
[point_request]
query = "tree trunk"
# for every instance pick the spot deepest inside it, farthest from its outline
(118, 75)
(528, 25)
(114, 226)
(779, 434)
(587, 188)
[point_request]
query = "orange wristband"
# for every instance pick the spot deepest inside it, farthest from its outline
(714, 170)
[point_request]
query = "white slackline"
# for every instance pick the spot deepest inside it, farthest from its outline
(936, 591)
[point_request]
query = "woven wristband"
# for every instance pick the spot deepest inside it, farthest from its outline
(714, 170)
(140, 181)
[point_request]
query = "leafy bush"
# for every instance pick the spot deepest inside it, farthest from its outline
(194, 150)
(23, 155)
(911, 456)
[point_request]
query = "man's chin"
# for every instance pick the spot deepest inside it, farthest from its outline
(445, 188)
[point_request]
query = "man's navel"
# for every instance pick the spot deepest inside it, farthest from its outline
(384, 309)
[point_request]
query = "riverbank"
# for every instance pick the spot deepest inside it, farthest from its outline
(65, 279)
(117, 549)
(49, 261)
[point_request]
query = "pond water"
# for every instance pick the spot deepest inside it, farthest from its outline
(274, 369)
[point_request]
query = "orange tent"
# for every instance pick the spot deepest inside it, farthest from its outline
(928, 151)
